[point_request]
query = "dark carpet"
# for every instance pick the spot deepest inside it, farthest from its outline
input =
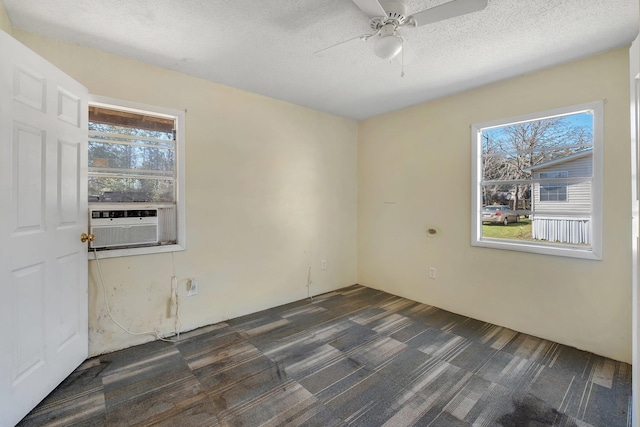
(356, 356)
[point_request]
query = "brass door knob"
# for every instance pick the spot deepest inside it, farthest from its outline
(84, 237)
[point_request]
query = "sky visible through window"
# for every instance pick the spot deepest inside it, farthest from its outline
(579, 119)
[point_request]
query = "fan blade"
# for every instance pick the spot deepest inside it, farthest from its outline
(447, 10)
(371, 8)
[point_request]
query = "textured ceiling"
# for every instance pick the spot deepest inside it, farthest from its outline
(267, 46)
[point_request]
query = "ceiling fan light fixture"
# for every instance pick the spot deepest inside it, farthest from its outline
(388, 46)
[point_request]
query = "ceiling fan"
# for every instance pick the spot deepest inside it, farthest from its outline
(388, 16)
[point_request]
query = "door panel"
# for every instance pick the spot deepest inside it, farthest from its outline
(68, 182)
(69, 324)
(29, 88)
(69, 107)
(43, 264)
(28, 182)
(28, 321)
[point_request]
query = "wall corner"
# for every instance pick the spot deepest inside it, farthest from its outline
(5, 23)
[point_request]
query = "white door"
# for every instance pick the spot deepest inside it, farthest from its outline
(634, 70)
(43, 211)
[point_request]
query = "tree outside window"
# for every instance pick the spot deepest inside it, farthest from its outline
(527, 165)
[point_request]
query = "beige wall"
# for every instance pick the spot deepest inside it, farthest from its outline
(5, 24)
(271, 190)
(414, 173)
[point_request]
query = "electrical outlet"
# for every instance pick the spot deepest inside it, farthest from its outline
(323, 264)
(193, 288)
(432, 272)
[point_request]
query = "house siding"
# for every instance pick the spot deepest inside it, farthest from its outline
(578, 193)
(565, 221)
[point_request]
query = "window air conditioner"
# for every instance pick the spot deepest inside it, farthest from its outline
(123, 228)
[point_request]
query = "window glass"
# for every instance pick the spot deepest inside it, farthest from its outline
(544, 168)
(553, 192)
(135, 178)
(131, 156)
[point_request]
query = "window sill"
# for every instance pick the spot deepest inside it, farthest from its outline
(116, 253)
(543, 249)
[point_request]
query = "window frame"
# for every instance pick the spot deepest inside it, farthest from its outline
(566, 250)
(179, 115)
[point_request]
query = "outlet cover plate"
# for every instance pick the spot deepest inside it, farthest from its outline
(193, 288)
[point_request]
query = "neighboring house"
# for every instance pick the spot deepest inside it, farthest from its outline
(562, 209)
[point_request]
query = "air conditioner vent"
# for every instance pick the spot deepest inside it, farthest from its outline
(122, 228)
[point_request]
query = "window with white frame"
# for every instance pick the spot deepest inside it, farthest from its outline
(537, 182)
(135, 178)
(556, 191)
